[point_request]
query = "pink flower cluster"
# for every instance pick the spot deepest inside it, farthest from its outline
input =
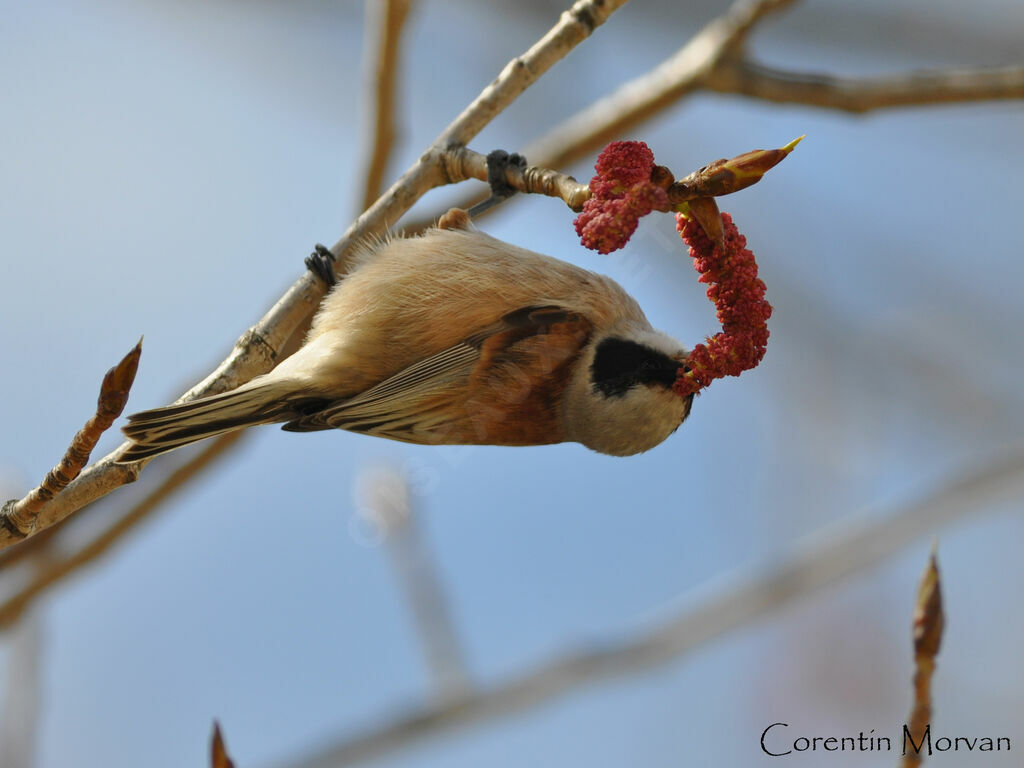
(621, 192)
(738, 294)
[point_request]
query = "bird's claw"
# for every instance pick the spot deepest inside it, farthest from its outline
(321, 263)
(498, 162)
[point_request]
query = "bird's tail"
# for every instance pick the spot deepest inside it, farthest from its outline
(164, 429)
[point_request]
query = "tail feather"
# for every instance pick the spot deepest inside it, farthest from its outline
(164, 429)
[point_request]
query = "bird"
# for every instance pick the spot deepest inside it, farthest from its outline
(454, 337)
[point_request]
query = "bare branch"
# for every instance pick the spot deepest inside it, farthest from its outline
(171, 474)
(839, 551)
(859, 95)
(258, 350)
(721, 177)
(385, 21)
(643, 97)
(711, 61)
(18, 518)
(929, 621)
(58, 567)
(573, 28)
(28, 547)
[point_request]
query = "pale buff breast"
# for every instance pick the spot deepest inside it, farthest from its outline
(412, 297)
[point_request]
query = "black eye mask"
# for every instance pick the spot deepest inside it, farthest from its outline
(619, 365)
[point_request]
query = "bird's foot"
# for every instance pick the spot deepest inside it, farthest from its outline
(498, 163)
(321, 263)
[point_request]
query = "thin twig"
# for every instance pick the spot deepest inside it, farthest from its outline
(929, 621)
(385, 22)
(259, 349)
(463, 163)
(839, 551)
(18, 518)
(721, 177)
(219, 757)
(171, 475)
(859, 95)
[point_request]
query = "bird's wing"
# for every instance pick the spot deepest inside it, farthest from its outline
(498, 386)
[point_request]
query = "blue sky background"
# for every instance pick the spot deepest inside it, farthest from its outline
(165, 168)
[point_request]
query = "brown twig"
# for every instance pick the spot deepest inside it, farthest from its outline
(259, 349)
(172, 474)
(823, 558)
(218, 751)
(860, 95)
(384, 21)
(59, 567)
(463, 163)
(721, 177)
(929, 621)
(18, 518)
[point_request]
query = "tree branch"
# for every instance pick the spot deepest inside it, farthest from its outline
(257, 351)
(712, 61)
(823, 558)
(860, 95)
(463, 163)
(19, 518)
(643, 97)
(385, 21)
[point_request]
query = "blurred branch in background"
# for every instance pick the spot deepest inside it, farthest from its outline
(60, 565)
(384, 498)
(859, 95)
(71, 549)
(821, 559)
(21, 705)
(929, 621)
(385, 20)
